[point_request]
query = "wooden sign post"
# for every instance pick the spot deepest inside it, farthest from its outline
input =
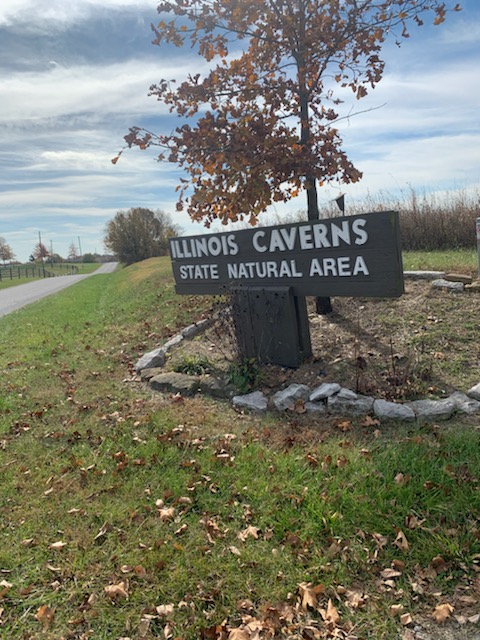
(349, 256)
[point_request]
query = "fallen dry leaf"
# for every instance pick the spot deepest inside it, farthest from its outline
(331, 615)
(28, 542)
(166, 514)
(388, 574)
(439, 564)
(381, 541)
(57, 546)
(406, 619)
(181, 530)
(239, 634)
(143, 628)
(402, 479)
(115, 591)
(442, 612)
(355, 598)
(401, 541)
(165, 609)
(312, 460)
(45, 615)
(50, 567)
(412, 522)
(249, 532)
(234, 550)
(307, 595)
(396, 610)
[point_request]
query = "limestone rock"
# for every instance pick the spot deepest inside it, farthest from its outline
(356, 406)
(393, 411)
(215, 387)
(173, 382)
(173, 342)
(474, 392)
(464, 404)
(316, 407)
(148, 374)
(458, 277)
(286, 399)
(473, 288)
(195, 329)
(441, 283)
(155, 358)
(347, 394)
(325, 390)
(423, 275)
(432, 409)
(254, 401)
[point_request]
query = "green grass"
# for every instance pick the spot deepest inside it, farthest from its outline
(87, 453)
(460, 260)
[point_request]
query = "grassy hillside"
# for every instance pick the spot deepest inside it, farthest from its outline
(127, 514)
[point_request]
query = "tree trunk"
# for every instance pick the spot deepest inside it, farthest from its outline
(323, 305)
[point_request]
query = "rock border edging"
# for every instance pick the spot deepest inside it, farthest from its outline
(329, 398)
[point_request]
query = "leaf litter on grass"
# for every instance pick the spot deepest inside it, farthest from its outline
(325, 532)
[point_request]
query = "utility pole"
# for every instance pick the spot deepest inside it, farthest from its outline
(79, 246)
(40, 252)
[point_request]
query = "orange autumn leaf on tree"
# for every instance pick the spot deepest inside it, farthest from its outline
(259, 126)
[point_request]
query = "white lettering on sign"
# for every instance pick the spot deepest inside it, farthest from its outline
(311, 236)
(199, 272)
(361, 254)
(200, 246)
(338, 267)
(264, 269)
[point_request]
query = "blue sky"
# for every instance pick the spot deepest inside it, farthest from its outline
(75, 76)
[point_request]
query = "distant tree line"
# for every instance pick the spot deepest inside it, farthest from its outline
(40, 253)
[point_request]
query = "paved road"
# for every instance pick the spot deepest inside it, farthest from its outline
(13, 298)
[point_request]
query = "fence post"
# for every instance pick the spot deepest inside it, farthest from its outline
(478, 244)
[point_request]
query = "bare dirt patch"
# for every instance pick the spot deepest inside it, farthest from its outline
(425, 343)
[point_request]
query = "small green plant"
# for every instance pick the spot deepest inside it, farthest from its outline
(194, 365)
(245, 374)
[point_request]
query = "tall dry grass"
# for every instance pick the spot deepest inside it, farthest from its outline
(428, 221)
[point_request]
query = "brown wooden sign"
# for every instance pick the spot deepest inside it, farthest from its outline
(348, 256)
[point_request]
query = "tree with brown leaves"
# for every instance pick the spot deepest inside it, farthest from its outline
(260, 126)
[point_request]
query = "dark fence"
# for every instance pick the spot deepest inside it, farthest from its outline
(19, 272)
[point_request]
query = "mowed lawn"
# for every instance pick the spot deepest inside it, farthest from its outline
(128, 514)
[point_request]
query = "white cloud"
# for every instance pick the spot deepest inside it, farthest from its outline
(61, 123)
(102, 90)
(59, 11)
